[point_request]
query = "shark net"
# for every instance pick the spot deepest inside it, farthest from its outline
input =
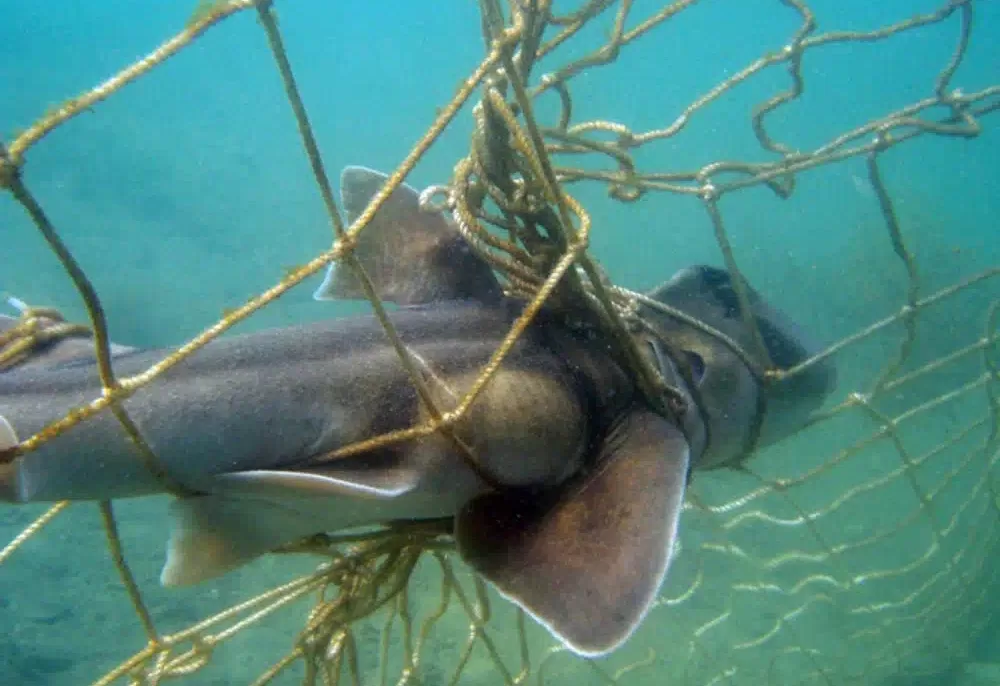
(858, 551)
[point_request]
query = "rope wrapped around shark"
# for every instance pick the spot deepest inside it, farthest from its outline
(26, 338)
(576, 515)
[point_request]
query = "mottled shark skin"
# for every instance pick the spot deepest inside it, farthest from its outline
(577, 518)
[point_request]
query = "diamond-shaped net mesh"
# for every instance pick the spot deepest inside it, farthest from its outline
(855, 552)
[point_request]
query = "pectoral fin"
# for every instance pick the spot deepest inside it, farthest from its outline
(249, 514)
(412, 256)
(587, 563)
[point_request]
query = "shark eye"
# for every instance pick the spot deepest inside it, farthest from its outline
(696, 363)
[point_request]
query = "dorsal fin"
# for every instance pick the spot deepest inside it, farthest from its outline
(413, 257)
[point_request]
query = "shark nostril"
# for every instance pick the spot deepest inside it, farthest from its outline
(696, 363)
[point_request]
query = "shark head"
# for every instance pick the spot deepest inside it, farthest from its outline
(742, 409)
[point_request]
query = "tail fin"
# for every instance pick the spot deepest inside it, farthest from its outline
(8, 472)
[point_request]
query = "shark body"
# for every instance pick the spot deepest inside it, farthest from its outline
(574, 509)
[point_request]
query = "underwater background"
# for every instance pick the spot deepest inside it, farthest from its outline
(188, 192)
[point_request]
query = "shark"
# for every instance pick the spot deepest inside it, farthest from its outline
(573, 507)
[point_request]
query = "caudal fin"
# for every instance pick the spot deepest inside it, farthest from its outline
(8, 472)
